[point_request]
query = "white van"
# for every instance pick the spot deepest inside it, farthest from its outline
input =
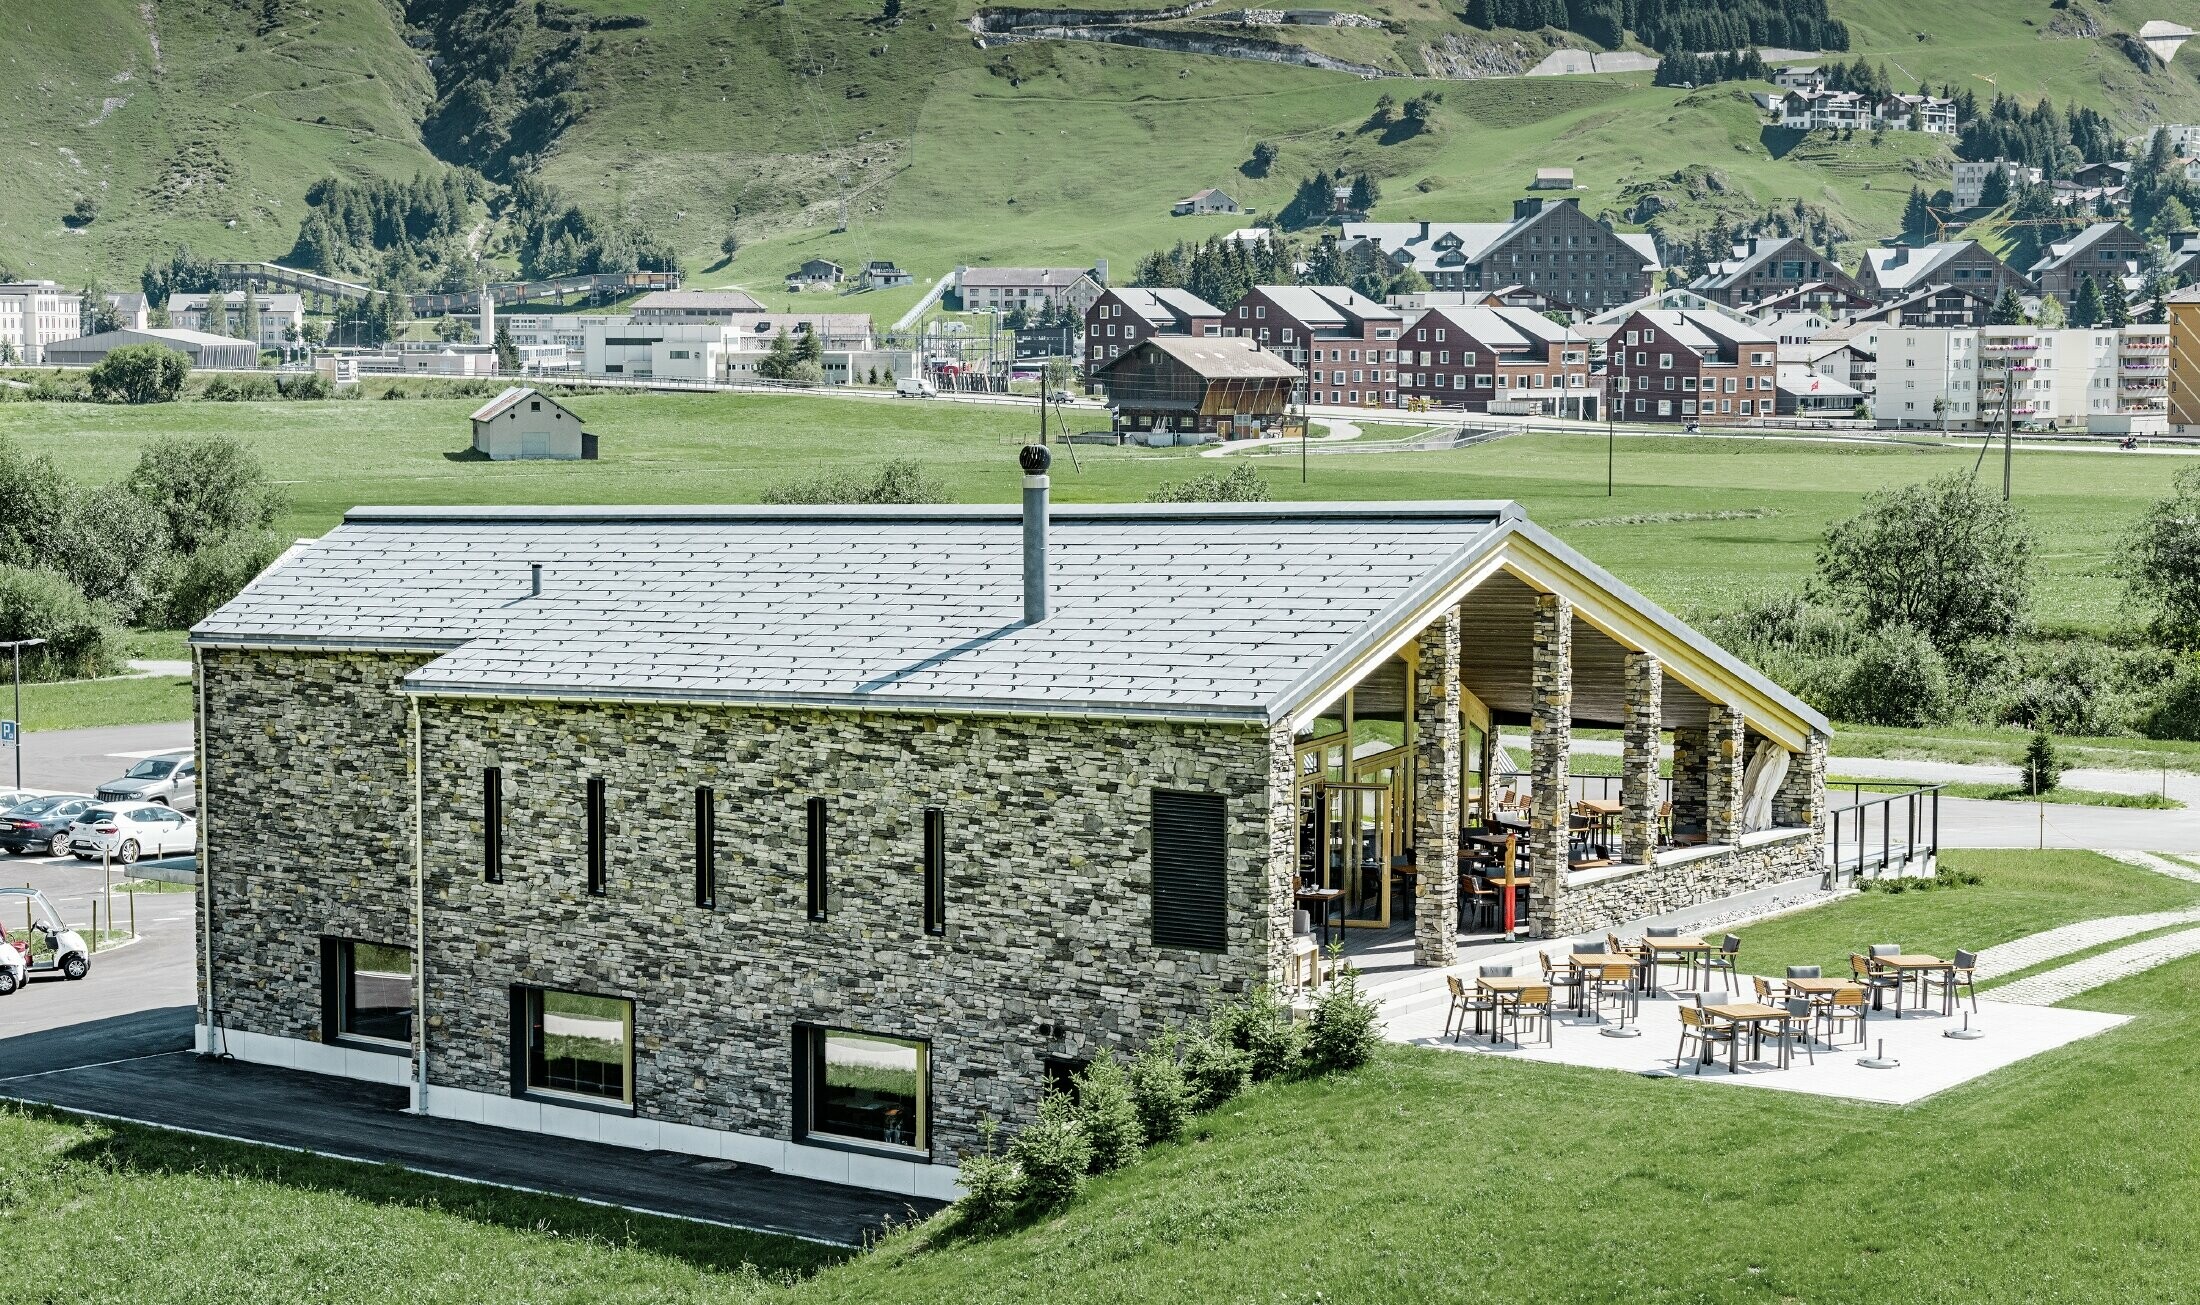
(914, 387)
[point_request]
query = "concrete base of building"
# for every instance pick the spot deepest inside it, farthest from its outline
(823, 1164)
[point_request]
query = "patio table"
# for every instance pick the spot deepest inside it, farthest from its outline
(1321, 900)
(1511, 987)
(1585, 962)
(1604, 811)
(1688, 947)
(1756, 1015)
(1908, 969)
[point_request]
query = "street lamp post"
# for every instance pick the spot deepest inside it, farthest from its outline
(15, 649)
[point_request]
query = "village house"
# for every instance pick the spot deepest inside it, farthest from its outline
(1124, 315)
(133, 307)
(1552, 179)
(523, 423)
(1681, 366)
(1028, 289)
(1182, 389)
(812, 838)
(1549, 247)
(1824, 110)
(2107, 252)
(282, 316)
(1489, 359)
(1764, 269)
(815, 274)
(1346, 342)
(1799, 79)
(1204, 202)
(881, 274)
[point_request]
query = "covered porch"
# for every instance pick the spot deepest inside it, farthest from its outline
(1408, 830)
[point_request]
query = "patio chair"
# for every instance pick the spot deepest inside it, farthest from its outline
(1877, 981)
(1960, 978)
(1722, 960)
(1704, 999)
(1884, 949)
(1567, 979)
(1494, 971)
(1794, 1030)
(1661, 933)
(1526, 1008)
(1589, 948)
(1614, 983)
(1804, 972)
(1465, 1001)
(1765, 995)
(1305, 956)
(1478, 901)
(1695, 1028)
(1843, 1007)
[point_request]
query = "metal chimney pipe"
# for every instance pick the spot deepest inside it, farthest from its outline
(1035, 460)
(535, 570)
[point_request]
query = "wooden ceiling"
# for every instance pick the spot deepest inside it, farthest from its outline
(1497, 646)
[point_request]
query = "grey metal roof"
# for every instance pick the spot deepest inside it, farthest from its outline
(1212, 611)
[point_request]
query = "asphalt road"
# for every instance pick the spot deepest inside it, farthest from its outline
(77, 761)
(138, 996)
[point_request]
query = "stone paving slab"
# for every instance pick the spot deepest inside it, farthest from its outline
(2160, 865)
(2083, 976)
(2039, 948)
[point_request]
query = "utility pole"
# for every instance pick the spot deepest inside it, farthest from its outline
(2008, 423)
(16, 647)
(1612, 383)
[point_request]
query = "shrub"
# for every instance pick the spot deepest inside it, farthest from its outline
(139, 373)
(81, 639)
(2176, 714)
(993, 1184)
(903, 480)
(2160, 562)
(1159, 1090)
(1053, 1155)
(310, 385)
(2040, 769)
(2075, 694)
(1215, 1070)
(1109, 1114)
(205, 487)
(1346, 1028)
(189, 586)
(1898, 678)
(1242, 485)
(1261, 1027)
(1943, 557)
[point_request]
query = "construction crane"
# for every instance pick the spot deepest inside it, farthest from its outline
(1942, 226)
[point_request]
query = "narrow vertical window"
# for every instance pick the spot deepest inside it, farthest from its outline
(492, 825)
(935, 870)
(706, 849)
(595, 837)
(817, 898)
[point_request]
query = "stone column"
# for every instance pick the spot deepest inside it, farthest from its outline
(1723, 775)
(1691, 752)
(1489, 772)
(1638, 784)
(1436, 787)
(1801, 801)
(1552, 738)
(1282, 875)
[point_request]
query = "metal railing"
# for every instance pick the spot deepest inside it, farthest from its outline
(1604, 788)
(1908, 827)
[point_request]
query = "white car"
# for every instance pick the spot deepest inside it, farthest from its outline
(129, 830)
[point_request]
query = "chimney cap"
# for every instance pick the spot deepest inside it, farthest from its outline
(1035, 459)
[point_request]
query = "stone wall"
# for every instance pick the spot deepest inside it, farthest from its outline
(1600, 900)
(1437, 787)
(1047, 948)
(1691, 775)
(306, 817)
(1550, 742)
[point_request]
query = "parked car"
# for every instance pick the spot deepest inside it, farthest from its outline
(15, 797)
(129, 830)
(42, 824)
(171, 779)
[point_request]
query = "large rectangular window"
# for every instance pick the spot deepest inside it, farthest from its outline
(935, 871)
(706, 848)
(817, 897)
(573, 1044)
(862, 1088)
(1190, 870)
(492, 825)
(367, 993)
(596, 836)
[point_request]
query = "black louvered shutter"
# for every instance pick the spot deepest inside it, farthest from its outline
(1189, 871)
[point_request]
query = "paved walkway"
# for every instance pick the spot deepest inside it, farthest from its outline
(2039, 948)
(2160, 865)
(2095, 971)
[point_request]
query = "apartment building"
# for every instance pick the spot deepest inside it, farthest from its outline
(1346, 343)
(2103, 380)
(1683, 366)
(1968, 182)
(1489, 359)
(282, 316)
(1124, 315)
(34, 314)
(1775, 268)
(1550, 248)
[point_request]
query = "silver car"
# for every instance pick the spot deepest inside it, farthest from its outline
(129, 830)
(171, 779)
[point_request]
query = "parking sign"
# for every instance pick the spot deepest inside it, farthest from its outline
(7, 733)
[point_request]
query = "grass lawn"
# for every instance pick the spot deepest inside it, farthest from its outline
(1994, 745)
(2022, 893)
(75, 704)
(2074, 797)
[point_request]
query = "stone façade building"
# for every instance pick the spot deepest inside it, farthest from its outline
(791, 836)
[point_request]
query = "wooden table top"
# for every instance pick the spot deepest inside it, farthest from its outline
(1319, 894)
(1746, 1012)
(1516, 984)
(1602, 806)
(1591, 960)
(1676, 945)
(1818, 987)
(1492, 840)
(1918, 962)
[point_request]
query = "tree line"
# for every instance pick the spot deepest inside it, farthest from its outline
(1694, 25)
(2041, 135)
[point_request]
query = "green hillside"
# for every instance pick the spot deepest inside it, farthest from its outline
(699, 117)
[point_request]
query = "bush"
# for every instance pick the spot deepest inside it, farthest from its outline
(1346, 1028)
(2176, 715)
(1261, 1027)
(2040, 769)
(1053, 1155)
(1109, 1114)
(993, 1184)
(205, 487)
(1898, 678)
(139, 373)
(189, 586)
(2160, 562)
(1159, 1090)
(81, 639)
(108, 544)
(1215, 1070)
(2074, 694)
(309, 385)
(1943, 557)
(1242, 485)
(903, 480)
